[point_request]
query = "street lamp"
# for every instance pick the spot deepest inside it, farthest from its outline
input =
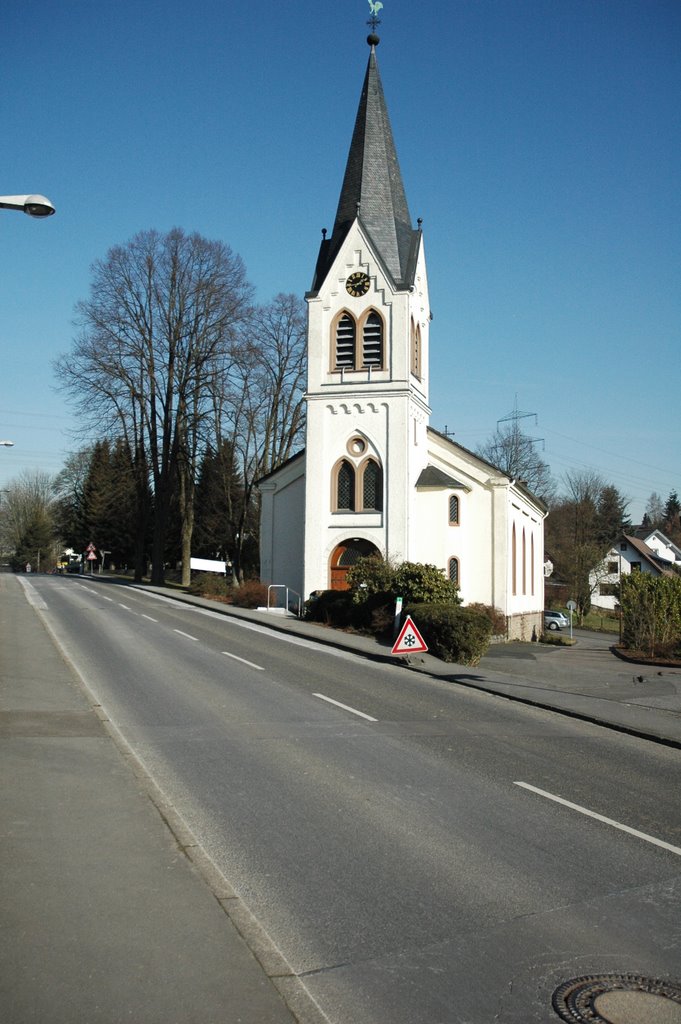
(34, 206)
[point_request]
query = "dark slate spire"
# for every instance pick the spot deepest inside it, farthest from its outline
(372, 187)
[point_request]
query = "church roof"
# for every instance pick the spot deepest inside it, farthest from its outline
(372, 190)
(431, 476)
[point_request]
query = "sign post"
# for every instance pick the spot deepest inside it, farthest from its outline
(398, 616)
(572, 605)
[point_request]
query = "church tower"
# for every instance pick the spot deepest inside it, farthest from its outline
(367, 392)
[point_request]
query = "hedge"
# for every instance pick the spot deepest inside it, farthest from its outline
(451, 632)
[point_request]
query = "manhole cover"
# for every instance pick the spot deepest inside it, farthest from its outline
(618, 999)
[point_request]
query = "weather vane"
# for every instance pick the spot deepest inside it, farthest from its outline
(374, 6)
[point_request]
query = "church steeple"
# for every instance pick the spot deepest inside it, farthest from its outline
(372, 188)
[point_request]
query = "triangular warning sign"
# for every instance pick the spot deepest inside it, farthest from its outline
(410, 640)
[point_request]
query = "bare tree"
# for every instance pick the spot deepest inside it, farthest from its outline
(515, 453)
(260, 414)
(27, 522)
(582, 525)
(155, 336)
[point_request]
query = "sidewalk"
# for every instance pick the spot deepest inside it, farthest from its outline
(105, 918)
(586, 681)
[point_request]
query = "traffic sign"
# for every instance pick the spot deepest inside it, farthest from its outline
(90, 547)
(410, 640)
(91, 556)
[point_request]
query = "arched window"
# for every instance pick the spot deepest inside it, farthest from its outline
(345, 343)
(416, 350)
(372, 341)
(345, 487)
(453, 510)
(454, 570)
(372, 487)
(524, 562)
(514, 562)
(357, 486)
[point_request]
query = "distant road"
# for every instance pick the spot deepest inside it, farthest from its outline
(373, 820)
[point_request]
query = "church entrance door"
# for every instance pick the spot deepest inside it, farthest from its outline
(344, 556)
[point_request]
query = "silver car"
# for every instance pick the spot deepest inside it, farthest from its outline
(555, 620)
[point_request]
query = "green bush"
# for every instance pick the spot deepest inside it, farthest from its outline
(412, 581)
(210, 585)
(651, 613)
(376, 614)
(453, 633)
(495, 616)
(368, 576)
(332, 607)
(420, 583)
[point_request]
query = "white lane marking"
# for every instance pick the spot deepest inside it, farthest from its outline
(104, 598)
(345, 707)
(126, 606)
(149, 617)
(32, 595)
(237, 658)
(600, 817)
(188, 635)
(313, 645)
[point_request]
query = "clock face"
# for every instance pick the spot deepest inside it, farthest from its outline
(357, 284)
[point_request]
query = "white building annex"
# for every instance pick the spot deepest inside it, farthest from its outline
(374, 476)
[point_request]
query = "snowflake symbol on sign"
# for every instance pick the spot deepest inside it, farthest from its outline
(409, 640)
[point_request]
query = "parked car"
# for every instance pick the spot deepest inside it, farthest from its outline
(555, 620)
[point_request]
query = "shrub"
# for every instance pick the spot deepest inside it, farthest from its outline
(453, 633)
(412, 581)
(211, 585)
(416, 582)
(495, 616)
(651, 613)
(370, 575)
(251, 594)
(332, 607)
(376, 614)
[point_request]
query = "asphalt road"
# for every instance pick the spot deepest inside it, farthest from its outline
(398, 839)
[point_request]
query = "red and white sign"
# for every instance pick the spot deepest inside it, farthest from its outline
(410, 640)
(90, 547)
(92, 557)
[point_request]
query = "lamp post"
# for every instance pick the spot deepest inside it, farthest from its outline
(34, 205)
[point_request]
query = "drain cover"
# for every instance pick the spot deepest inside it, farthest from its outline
(618, 999)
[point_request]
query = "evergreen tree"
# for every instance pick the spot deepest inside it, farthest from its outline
(612, 517)
(671, 521)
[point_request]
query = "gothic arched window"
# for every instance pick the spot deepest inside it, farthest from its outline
(453, 510)
(454, 570)
(345, 343)
(372, 341)
(372, 487)
(416, 350)
(345, 487)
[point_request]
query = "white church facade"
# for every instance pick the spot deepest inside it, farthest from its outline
(374, 477)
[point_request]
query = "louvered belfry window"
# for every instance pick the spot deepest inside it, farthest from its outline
(372, 341)
(345, 343)
(346, 487)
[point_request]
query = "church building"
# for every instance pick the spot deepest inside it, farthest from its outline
(375, 477)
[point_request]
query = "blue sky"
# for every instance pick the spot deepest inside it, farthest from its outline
(539, 140)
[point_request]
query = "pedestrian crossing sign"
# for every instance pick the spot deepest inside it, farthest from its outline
(410, 640)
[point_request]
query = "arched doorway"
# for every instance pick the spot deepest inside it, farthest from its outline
(345, 555)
